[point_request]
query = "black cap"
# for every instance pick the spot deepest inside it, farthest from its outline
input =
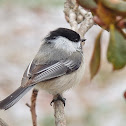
(64, 32)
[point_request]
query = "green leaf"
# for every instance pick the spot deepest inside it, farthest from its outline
(116, 53)
(89, 4)
(117, 6)
(96, 57)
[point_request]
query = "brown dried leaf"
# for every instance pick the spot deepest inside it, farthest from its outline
(105, 15)
(95, 60)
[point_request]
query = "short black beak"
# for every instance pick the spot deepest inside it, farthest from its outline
(83, 40)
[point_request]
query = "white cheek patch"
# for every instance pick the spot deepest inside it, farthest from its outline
(67, 45)
(76, 45)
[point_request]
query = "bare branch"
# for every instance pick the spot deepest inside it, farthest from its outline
(59, 113)
(79, 19)
(86, 24)
(33, 106)
(70, 8)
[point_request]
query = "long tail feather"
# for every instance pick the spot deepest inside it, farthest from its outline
(14, 97)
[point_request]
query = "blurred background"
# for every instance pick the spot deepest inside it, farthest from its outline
(97, 102)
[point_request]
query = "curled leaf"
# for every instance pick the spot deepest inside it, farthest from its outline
(116, 52)
(95, 60)
(118, 6)
(105, 15)
(89, 4)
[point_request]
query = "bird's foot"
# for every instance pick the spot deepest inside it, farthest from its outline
(59, 97)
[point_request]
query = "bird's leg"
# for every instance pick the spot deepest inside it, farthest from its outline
(59, 97)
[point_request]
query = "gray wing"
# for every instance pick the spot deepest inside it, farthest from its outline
(56, 70)
(39, 73)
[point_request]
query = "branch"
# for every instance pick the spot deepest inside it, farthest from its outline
(59, 113)
(86, 24)
(32, 106)
(79, 19)
(2, 123)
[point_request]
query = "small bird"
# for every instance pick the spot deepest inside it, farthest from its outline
(57, 67)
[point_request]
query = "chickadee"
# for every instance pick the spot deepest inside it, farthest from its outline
(57, 67)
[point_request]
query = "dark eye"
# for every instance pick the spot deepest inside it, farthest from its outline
(49, 42)
(54, 37)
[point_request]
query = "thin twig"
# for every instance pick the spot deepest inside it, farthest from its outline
(33, 106)
(2, 123)
(59, 113)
